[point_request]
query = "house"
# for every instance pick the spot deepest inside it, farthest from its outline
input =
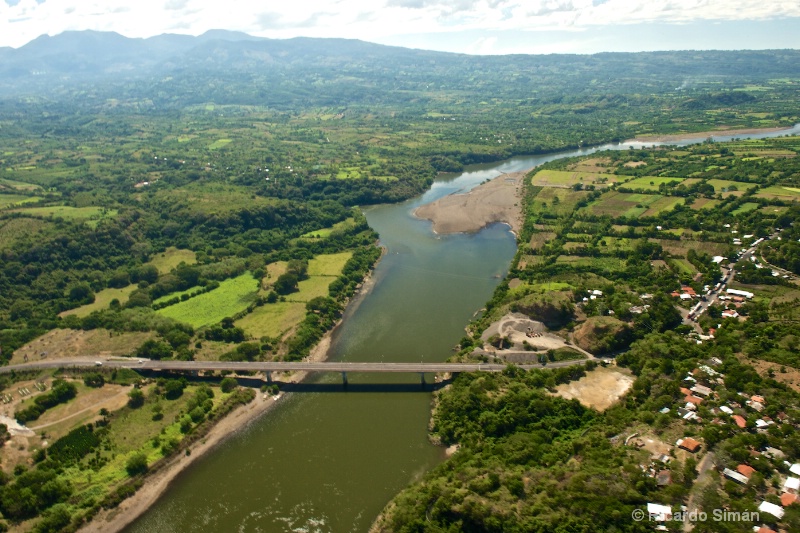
(688, 444)
(740, 421)
(791, 485)
(664, 478)
(735, 476)
(660, 513)
(764, 529)
(745, 470)
(757, 398)
(755, 406)
(730, 314)
(685, 296)
(694, 400)
(771, 508)
(725, 409)
(788, 499)
(702, 390)
(735, 292)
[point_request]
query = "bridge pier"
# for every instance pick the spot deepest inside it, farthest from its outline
(422, 379)
(344, 379)
(269, 376)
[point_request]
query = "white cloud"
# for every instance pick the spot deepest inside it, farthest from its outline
(363, 19)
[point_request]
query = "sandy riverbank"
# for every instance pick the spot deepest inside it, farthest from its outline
(702, 134)
(157, 484)
(498, 200)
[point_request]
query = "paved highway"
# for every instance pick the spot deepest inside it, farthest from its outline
(279, 366)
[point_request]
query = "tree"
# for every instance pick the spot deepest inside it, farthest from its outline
(94, 379)
(153, 349)
(137, 464)
(81, 293)
(135, 398)
(286, 283)
(228, 384)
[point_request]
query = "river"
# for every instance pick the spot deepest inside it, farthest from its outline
(329, 459)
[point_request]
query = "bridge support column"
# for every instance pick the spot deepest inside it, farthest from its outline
(344, 378)
(422, 379)
(269, 376)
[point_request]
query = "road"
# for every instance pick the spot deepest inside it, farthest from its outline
(277, 366)
(727, 277)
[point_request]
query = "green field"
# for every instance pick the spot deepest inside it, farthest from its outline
(69, 213)
(617, 204)
(220, 143)
(328, 264)
(171, 258)
(531, 288)
(19, 185)
(745, 208)
(560, 201)
(651, 183)
(172, 295)
(704, 203)
(102, 300)
(788, 194)
(9, 200)
(272, 320)
(662, 204)
(325, 232)
(311, 288)
(568, 178)
(231, 297)
(724, 187)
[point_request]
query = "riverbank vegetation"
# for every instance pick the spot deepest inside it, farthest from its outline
(726, 382)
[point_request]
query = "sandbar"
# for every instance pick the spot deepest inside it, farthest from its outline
(498, 200)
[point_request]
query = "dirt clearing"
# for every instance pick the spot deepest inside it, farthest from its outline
(598, 389)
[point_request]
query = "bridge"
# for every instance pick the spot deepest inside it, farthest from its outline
(273, 366)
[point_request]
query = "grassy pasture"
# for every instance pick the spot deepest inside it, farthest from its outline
(680, 248)
(704, 203)
(325, 232)
(624, 204)
(11, 200)
(568, 178)
(102, 300)
(560, 201)
(745, 208)
(273, 320)
(69, 213)
(539, 239)
(328, 264)
(605, 263)
(651, 183)
(18, 185)
(219, 143)
(682, 267)
(171, 258)
(723, 187)
(531, 288)
(662, 204)
(788, 194)
(311, 288)
(231, 297)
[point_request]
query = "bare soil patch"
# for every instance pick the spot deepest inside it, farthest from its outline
(64, 343)
(598, 389)
(790, 376)
(495, 201)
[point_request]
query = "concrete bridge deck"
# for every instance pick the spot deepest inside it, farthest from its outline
(269, 367)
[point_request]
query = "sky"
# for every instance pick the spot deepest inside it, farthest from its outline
(463, 26)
